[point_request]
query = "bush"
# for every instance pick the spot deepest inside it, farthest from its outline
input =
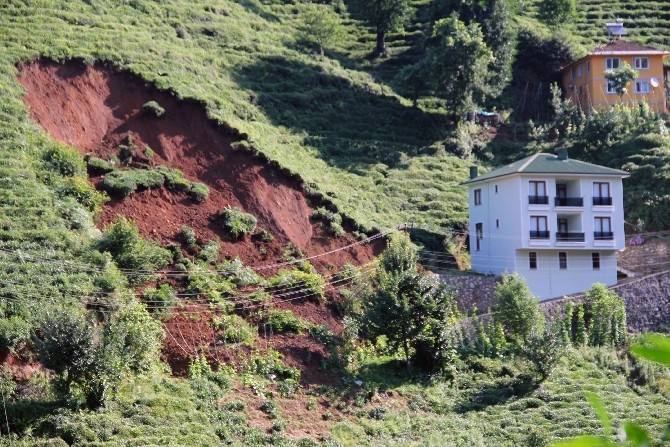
(188, 235)
(517, 310)
(160, 301)
(334, 221)
(130, 251)
(234, 329)
(99, 166)
(174, 179)
(237, 223)
(14, 331)
(284, 321)
(81, 190)
(240, 274)
(153, 108)
(64, 160)
(199, 192)
(210, 251)
(298, 284)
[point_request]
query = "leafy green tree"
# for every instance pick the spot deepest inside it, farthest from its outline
(518, 310)
(544, 350)
(415, 312)
(620, 77)
(95, 359)
(606, 315)
(321, 26)
(459, 65)
(385, 16)
(556, 12)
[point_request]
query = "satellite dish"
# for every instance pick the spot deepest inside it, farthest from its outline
(654, 82)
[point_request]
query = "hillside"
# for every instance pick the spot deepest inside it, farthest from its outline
(197, 194)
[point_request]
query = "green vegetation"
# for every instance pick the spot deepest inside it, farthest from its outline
(127, 181)
(153, 108)
(237, 223)
(341, 124)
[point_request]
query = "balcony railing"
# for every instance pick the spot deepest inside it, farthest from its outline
(568, 201)
(602, 201)
(539, 235)
(538, 200)
(603, 235)
(569, 237)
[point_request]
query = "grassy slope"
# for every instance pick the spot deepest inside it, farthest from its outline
(346, 135)
(343, 133)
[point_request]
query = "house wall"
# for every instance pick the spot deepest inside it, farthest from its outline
(590, 89)
(549, 281)
(505, 216)
(647, 299)
(500, 215)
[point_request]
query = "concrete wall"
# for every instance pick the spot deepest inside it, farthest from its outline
(647, 299)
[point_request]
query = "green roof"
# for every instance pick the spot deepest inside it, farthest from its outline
(548, 164)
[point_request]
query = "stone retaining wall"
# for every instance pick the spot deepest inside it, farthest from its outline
(647, 299)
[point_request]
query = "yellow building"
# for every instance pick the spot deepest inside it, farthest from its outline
(584, 79)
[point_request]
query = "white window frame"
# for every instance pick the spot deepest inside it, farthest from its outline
(641, 63)
(562, 260)
(539, 223)
(579, 70)
(642, 87)
(595, 260)
(612, 63)
(478, 196)
(609, 88)
(532, 260)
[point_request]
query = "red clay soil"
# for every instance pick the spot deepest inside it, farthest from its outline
(96, 108)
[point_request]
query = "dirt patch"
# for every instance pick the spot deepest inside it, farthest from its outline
(97, 108)
(94, 108)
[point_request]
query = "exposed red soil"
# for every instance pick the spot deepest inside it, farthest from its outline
(95, 108)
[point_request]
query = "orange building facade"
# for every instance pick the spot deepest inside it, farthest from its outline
(585, 83)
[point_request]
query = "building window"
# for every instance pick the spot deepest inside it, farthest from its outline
(602, 229)
(611, 88)
(579, 71)
(588, 66)
(538, 227)
(478, 196)
(532, 260)
(611, 63)
(479, 235)
(562, 260)
(601, 193)
(641, 63)
(595, 260)
(496, 188)
(497, 223)
(537, 192)
(642, 87)
(572, 73)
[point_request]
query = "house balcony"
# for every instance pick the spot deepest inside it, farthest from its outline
(539, 235)
(569, 201)
(602, 201)
(538, 200)
(569, 237)
(603, 235)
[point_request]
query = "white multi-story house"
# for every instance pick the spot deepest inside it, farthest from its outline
(555, 221)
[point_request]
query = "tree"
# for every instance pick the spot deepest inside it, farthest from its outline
(555, 12)
(544, 350)
(620, 77)
(321, 26)
(385, 16)
(458, 65)
(94, 359)
(414, 310)
(518, 310)
(606, 315)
